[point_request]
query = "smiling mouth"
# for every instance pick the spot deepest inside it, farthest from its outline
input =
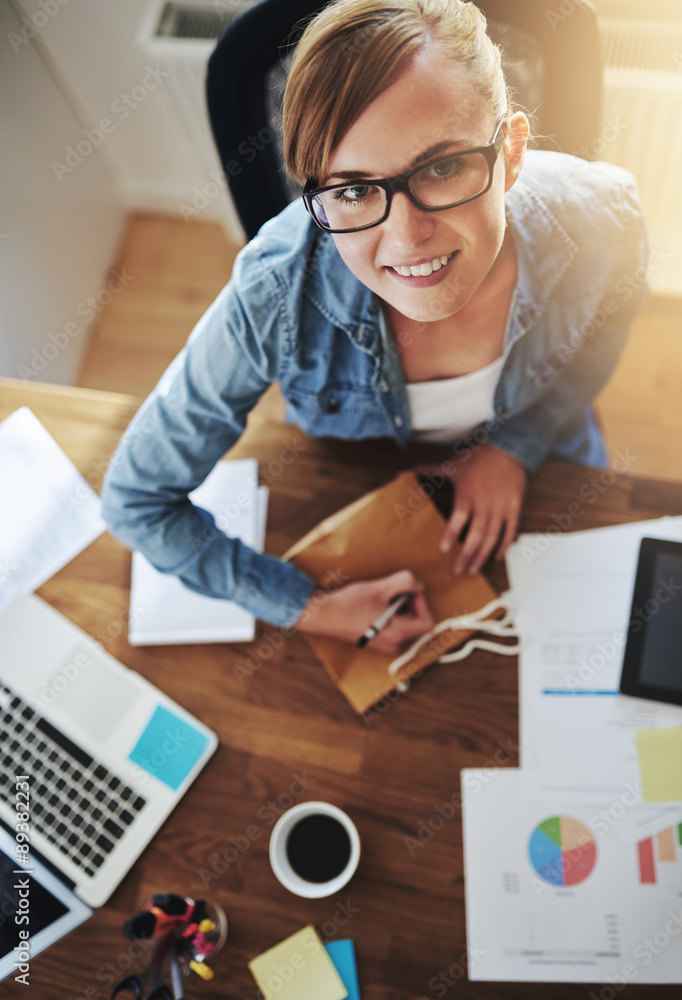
(424, 269)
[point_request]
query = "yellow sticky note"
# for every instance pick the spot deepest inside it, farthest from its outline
(298, 968)
(660, 763)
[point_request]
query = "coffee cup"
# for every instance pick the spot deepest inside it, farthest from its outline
(314, 849)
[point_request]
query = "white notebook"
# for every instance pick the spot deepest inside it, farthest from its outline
(162, 610)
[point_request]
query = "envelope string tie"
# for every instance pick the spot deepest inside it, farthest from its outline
(478, 620)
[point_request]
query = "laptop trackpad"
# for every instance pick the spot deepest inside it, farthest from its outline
(96, 696)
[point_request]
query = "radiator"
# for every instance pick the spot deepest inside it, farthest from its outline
(643, 131)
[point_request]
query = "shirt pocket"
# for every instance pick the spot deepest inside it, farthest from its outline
(338, 410)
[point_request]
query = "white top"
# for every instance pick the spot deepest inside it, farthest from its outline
(447, 409)
(450, 408)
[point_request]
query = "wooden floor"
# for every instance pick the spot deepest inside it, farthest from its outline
(175, 269)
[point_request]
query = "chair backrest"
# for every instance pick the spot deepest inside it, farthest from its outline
(552, 61)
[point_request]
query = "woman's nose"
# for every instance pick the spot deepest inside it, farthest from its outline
(407, 224)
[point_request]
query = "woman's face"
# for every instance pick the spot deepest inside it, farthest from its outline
(432, 108)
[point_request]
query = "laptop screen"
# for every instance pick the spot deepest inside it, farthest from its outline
(35, 903)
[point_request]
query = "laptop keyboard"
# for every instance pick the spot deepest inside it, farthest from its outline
(75, 802)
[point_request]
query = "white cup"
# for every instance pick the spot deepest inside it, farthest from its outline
(278, 850)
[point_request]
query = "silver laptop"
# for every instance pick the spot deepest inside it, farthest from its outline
(105, 754)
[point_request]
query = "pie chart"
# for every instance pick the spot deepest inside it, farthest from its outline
(562, 851)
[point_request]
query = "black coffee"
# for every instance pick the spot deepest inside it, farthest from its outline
(318, 848)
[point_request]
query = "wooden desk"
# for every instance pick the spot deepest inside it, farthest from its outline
(287, 735)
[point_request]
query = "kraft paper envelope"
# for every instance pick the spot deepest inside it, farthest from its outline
(392, 528)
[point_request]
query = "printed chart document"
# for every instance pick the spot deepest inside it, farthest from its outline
(660, 762)
(569, 893)
(162, 610)
(48, 513)
(573, 595)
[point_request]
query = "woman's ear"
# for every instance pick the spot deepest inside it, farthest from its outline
(515, 142)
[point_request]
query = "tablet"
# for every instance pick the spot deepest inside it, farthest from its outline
(652, 665)
(45, 908)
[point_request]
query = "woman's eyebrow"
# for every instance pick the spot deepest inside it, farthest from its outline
(427, 154)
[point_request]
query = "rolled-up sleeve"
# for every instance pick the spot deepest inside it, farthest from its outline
(196, 413)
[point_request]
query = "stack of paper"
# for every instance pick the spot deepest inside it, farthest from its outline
(572, 872)
(572, 599)
(48, 513)
(162, 610)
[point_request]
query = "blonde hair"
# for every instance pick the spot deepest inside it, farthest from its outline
(355, 49)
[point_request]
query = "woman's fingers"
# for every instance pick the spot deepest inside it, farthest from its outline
(348, 612)
(459, 519)
(403, 581)
(414, 622)
(512, 523)
(488, 497)
(481, 537)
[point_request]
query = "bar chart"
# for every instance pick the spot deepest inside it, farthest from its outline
(662, 847)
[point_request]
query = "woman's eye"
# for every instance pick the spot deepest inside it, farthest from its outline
(446, 168)
(356, 193)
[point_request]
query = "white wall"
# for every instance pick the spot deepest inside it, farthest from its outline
(92, 47)
(78, 151)
(57, 239)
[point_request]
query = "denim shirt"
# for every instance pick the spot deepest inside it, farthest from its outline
(293, 313)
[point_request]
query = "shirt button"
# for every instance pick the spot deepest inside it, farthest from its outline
(384, 386)
(398, 422)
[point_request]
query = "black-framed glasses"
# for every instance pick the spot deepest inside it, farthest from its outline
(442, 183)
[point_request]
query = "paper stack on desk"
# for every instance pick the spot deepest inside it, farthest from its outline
(162, 610)
(48, 513)
(572, 595)
(570, 875)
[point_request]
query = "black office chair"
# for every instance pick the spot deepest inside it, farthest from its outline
(553, 64)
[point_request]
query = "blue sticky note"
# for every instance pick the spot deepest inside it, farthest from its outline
(168, 748)
(342, 954)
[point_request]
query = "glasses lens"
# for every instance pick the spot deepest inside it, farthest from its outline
(349, 207)
(453, 179)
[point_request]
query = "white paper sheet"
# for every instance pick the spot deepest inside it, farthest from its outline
(573, 602)
(48, 513)
(162, 610)
(560, 894)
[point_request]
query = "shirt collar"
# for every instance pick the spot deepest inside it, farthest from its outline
(340, 296)
(544, 252)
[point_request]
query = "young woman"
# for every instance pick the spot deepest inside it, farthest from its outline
(430, 285)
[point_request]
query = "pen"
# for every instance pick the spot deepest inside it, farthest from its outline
(399, 602)
(176, 978)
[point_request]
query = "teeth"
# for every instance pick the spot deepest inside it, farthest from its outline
(423, 270)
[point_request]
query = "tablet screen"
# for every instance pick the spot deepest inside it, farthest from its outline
(661, 657)
(652, 665)
(52, 909)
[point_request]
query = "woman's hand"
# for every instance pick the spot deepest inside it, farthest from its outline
(348, 612)
(489, 486)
